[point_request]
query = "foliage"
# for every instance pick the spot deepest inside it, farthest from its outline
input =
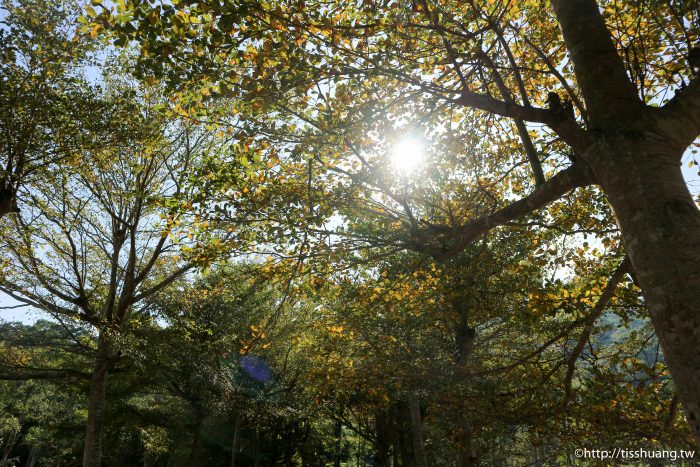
(484, 308)
(50, 110)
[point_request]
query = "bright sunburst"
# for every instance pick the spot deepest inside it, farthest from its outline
(407, 155)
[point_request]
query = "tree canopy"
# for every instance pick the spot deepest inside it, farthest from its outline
(378, 232)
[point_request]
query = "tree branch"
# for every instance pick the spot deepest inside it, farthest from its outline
(567, 128)
(575, 176)
(601, 304)
(164, 283)
(528, 145)
(609, 94)
(681, 115)
(26, 373)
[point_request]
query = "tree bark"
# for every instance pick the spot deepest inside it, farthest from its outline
(635, 160)
(417, 432)
(92, 451)
(660, 225)
(464, 336)
(464, 340)
(396, 422)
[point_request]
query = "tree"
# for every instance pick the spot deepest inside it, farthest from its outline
(495, 365)
(45, 369)
(49, 109)
(501, 65)
(107, 232)
(222, 381)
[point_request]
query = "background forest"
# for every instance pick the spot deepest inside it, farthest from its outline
(348, 233)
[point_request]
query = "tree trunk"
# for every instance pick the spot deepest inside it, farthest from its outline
(464, 340)
(338, 435)
(467, 457)
(660, 225)
(92, 451)
(403, 424)
(395, 433)
(635, 158)
(256, 450)
(305, 452)
(464, 337)
(383, 432)
(194, 447)
(34, 456)
(417, 432)
(8, 203)
(234, 443)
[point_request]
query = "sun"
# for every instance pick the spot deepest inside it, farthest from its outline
(408, 155)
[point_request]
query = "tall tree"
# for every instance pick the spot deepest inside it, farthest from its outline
(49, 109)
(106, 232)
(581, 86)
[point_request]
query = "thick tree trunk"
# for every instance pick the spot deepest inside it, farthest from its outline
(4, 208)
(417, 432)
(660, 224)
(404, 448)
(635, 159)
(92, 451)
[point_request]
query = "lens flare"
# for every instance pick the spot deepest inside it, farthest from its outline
(256, 368)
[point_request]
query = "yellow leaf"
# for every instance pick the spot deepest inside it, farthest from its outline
(95, 30)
